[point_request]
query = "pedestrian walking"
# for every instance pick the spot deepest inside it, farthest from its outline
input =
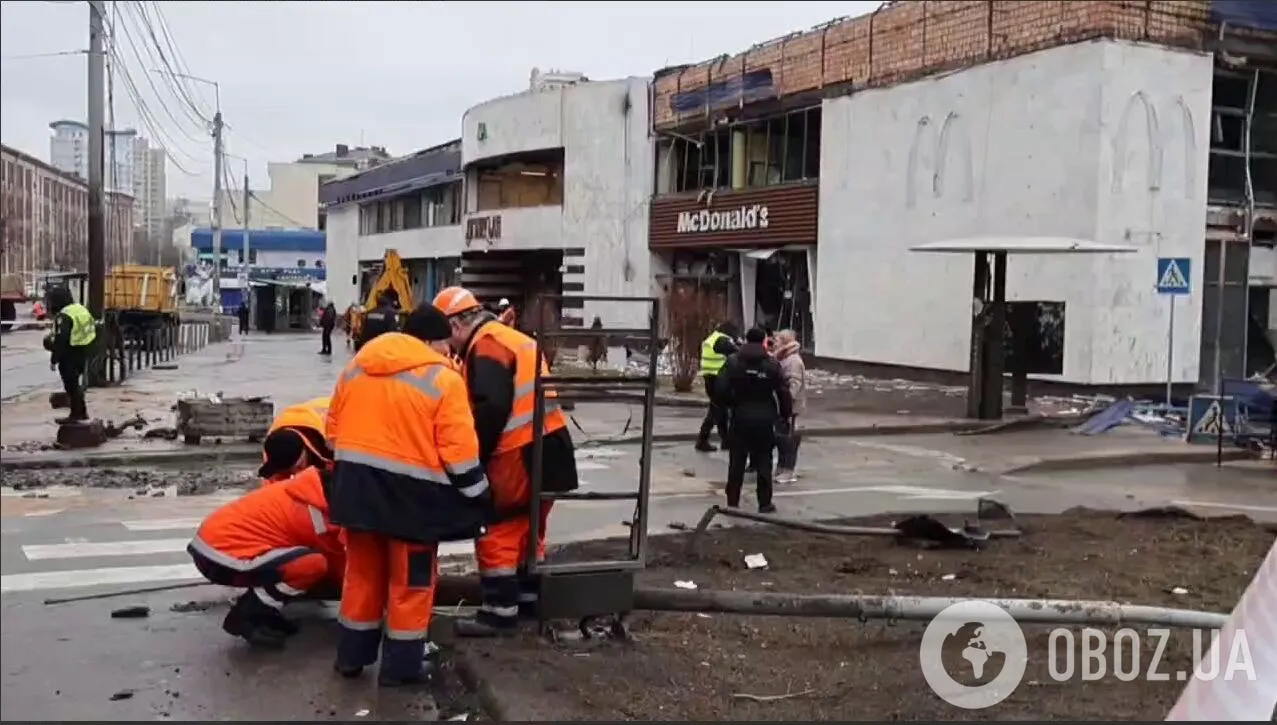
(788, 353)
(752, 389)
(327, 321)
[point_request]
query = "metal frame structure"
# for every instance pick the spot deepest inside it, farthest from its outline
(586, 589)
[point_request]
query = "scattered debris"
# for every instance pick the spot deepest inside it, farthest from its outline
(1178, 590)
(948, 577)
(362, 713)
(165, 434)
(685, 584)
(755, 561)
(122, 695)
(134, 612)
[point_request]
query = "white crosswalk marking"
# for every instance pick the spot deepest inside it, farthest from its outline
(85, 549)
(155, 548)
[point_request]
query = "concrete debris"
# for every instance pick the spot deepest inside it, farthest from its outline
(135, 612)
(164, 433)
(122, 695)
(144, 481)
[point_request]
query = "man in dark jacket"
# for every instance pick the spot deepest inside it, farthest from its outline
(715, 349)
(380, 319)
(327, 321)
(759, 405)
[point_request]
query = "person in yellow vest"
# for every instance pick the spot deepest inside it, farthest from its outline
(714, 351)
(500, 366)
(71, 345)
(296, 441)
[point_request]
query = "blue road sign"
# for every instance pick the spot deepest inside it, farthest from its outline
(1172, 275)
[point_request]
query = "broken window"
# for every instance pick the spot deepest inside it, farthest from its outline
(532, 179)
(778, 150)
(1243, 138)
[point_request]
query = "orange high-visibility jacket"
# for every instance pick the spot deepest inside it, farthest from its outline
(406, 458)
(517, 350)
(289, 514)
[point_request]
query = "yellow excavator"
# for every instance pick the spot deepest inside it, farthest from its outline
(393, 282)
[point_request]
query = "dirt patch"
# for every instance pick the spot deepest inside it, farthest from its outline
(707, 667)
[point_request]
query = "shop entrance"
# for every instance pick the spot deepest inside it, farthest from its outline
(519, 276)
(782, 291)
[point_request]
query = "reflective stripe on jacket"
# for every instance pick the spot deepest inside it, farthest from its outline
(711, 362)
(266, 523)
(83, 328)
(406, 457)
(523, 350)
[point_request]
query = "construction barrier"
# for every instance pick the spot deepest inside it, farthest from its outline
(1253, 625)
(120, 352)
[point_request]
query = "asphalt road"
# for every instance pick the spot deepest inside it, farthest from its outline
(24, 364)
(74, 662)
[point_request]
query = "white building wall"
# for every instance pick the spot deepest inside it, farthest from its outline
(291, 202)
(347, 248)
(342, 256)
(1052, 144)
(602, 126)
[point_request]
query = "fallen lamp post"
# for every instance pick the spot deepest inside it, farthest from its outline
(918, 527)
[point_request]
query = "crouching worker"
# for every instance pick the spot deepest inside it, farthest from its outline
(406, 476)
(296, 441)
(277, 543)
(500, 367)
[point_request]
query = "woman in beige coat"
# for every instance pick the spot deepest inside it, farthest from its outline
(788, 353)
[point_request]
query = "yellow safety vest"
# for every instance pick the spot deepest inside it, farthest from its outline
(711, 362)
(83, 328)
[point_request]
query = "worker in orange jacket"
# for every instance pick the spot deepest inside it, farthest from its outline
(500, 367)
(296, 441)
(406, 476)
(276, 542)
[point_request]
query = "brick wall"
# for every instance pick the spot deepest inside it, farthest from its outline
(910, 39)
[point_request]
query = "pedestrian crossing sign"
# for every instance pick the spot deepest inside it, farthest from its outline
(1172, 275)
(1210, 418)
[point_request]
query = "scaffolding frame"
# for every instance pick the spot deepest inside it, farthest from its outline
(586, 589)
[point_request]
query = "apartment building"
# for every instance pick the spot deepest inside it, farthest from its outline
(45, 218)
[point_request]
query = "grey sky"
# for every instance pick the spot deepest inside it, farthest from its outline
(299, 77)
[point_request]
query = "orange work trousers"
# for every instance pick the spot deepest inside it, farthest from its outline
(276, 577)
(389, 589)
(502, 552)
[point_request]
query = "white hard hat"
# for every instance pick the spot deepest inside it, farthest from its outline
(504, 302)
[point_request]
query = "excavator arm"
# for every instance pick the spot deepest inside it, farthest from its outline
(393, 279)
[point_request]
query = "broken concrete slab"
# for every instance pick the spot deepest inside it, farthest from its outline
(81, 434)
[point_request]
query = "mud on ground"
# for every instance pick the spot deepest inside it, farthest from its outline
(696, 666)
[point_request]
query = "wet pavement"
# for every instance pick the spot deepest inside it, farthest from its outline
(69, 661)
(24, 364)
(77, 532)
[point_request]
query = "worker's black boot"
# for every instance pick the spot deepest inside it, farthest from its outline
(249, 619)
(278, 622)
(484, 627)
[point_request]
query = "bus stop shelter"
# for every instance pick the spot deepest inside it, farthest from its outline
(989, 309)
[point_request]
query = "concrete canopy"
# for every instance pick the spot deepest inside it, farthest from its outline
(1021, 245)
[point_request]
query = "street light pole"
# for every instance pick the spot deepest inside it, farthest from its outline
(218, 153)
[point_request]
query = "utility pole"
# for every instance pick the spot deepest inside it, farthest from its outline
(97, 138)
(245, 287)
(217, 208)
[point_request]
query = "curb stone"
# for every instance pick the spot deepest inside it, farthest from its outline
(1127, 458)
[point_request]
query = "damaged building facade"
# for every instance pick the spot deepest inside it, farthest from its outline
(557, 185)
(793, 179)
